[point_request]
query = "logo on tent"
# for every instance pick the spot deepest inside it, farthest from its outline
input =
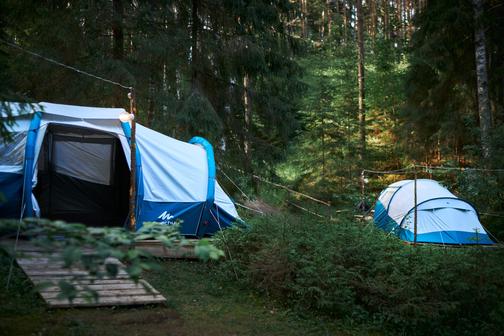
(166, 218)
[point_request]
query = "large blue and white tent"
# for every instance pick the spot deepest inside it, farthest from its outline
(441, 216)
(72, 163)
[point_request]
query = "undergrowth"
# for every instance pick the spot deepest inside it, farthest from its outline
(349, 270)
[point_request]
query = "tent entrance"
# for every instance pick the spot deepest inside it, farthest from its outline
(83, 177)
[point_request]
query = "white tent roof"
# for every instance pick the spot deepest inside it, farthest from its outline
(399, 197)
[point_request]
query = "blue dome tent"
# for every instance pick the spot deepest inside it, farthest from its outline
(72, 163)
(441, 216)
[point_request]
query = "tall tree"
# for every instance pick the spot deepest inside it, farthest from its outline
(485, 114)
(195, 45)
(361, 76)
(304, 18)
(386, 19)
(247, 150)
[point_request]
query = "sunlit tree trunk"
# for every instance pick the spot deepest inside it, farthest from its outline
(345, 22)
(322, 136)
(374, 19)
(247, 148)
(360, 74)
(329, 17)
(386, 20)
(323, 24)
(485, 114)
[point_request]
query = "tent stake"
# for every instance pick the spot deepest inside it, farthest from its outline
(132, 190)
(416, 212)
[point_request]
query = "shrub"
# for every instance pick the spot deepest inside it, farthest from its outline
(345, 269)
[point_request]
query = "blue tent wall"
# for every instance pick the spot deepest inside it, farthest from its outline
(138, 176)
(11, 191)
(15, 188)
(29, 164)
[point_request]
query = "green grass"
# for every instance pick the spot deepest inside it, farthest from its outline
(200, 302)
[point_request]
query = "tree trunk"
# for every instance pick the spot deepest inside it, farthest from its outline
(360, 74)
(322, 136)
(386, 23)
(329, 18)
(195, 45)
(118, 44)
(247, 150)
(151, 104)
(374, 20)
(345, 22)
(117, 30)
(485, 114)
(399, 18)
(304, 18)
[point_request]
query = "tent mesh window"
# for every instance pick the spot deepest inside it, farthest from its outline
(83, 177)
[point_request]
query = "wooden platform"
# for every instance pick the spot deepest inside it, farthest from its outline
(47, 270)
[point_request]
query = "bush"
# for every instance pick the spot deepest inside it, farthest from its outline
(345, 269)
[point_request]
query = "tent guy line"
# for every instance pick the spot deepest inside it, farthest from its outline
(53, 61)
(262, 179)
(50, 60)
(427, 168)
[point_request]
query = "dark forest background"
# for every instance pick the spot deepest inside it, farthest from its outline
(307, 93)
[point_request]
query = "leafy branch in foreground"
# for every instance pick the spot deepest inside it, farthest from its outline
(98, 250)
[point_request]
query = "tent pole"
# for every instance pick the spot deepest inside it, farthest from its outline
(416, 212)
(132, 190)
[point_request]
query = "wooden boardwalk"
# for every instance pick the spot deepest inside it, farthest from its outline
(46, 271)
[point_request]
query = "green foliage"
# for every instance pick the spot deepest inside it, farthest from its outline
(483, 189)
(353, 271)
(197, 107)
(329, 118)
(207, 251)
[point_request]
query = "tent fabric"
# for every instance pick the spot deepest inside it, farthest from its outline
(173, 176)
(95, 170)
(441, 216)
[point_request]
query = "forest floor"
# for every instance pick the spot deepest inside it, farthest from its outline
(200, 302)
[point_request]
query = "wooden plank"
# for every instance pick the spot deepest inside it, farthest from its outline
(78, 278)
(90, 281)
(103, 294)
(50, 268)
(58, 273)
(107, 301)
(40, 262)
(117, 286)
(66, 271)
(42, 278)
(35, 259)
